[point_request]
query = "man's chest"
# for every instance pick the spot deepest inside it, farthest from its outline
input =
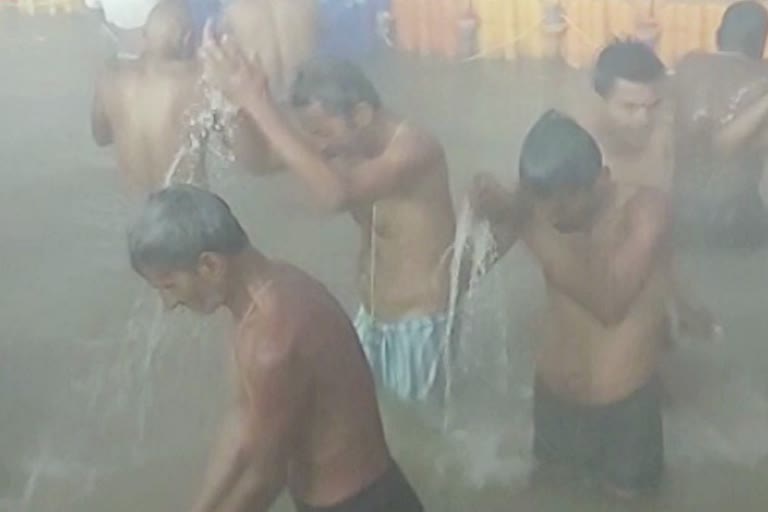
(649, 166)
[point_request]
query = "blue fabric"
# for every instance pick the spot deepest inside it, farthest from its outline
(348, 27)
(202, 11)
(407, 356)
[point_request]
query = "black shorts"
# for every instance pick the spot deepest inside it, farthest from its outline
(620, 444)
(390, 493)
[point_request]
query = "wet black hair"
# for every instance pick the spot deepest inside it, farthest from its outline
(557, 153)
(337, 84)
(628, 60)
(177, 225)
(743, 29)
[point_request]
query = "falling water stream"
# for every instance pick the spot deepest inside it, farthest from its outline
(215, 118)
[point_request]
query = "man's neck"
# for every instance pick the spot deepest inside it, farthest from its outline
(380, 135)
(611, 140)
(249, 273)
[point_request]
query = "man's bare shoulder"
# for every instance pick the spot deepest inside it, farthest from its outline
(284, 307)
(115, 72)
(267, 336)
(417, 144)
(695, 58)
(418, 159)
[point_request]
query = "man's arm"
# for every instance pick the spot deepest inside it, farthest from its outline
(274, 393)
(251, 149)
(228, 464)
(101, 128)
(606, 278)
(507, 212)
(335, 189)
(245, 84)
(740, 130)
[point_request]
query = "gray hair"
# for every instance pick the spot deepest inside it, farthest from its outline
(178, 224)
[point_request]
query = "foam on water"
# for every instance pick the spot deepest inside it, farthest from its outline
(484, 450)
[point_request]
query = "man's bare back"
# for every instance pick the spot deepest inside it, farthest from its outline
(299, 331)
(145, 108)
(720, 140)
(281, 33)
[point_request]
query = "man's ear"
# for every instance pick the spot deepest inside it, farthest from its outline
(211, 266)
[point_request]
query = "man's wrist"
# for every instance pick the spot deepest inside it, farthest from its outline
(258, 103)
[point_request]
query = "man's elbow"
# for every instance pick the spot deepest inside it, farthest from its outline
(611, 313)
(332, 202)
(102, 140)
(102, 135)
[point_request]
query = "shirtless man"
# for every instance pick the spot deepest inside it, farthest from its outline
(603, 250)
(392, 177)
(144, 106)
(281, 33)
(123, 21)
(721, 133)
(626, 115)
(306, 416)
(632, 125)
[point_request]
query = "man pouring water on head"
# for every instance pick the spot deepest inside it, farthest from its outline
(392, 177)
(603, 248)
(146, 107)
(306, 417)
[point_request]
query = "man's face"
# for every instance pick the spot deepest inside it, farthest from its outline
(632, 110)
(568, 210)
(336, 135)
(194, 290)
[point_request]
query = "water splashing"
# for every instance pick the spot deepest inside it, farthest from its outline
(216, 117)
(472, 251)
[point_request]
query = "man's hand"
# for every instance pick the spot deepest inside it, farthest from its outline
(242, 81)
(488, 199)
